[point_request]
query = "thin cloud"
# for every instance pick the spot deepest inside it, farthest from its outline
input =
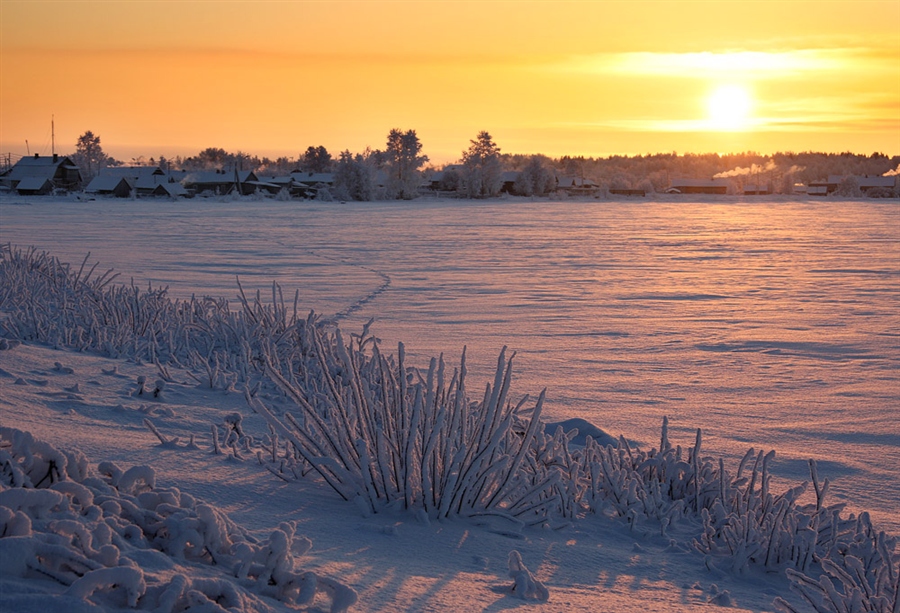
(747, 64)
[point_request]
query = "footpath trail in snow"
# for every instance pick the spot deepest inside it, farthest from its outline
(393, 561)
(771, 324)
(567, 506)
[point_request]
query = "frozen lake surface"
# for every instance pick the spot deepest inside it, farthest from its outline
(771, 325)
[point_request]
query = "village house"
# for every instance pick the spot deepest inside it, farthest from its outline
(698, 186)
(168, 189)
(756, 190)
(286, 184)
(508, 181)
(577, 185)
(866, 184)
(446, 179)
(221, 182)
(42, 174)
(109, 185)
(314, 179)
(124, 181)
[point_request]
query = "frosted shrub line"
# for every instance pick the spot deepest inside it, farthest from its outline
(383, 434)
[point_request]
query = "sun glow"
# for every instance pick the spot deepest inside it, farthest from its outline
(816, 79)
(729, 108)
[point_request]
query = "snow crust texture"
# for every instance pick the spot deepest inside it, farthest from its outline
(385, 436)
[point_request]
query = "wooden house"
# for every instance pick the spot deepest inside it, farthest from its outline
(150, 181)
(221, 182)
(508, 181)
(167, 189)
(59, 170)
(314, 179)
(865, 183)
(287, 183)
(577, 185)
(447, 179)
(136, 172)
(108, 185)
(34, 186)
(698, 186)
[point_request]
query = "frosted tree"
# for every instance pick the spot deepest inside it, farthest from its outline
(482, 170)
(354, 176)
(849, 188)
(535, 179)
(89, 155)
(316, 159)
(403, 160)
(450, 181)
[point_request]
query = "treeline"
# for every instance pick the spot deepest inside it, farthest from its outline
(400, 168)
(653, 173)
(777, 172)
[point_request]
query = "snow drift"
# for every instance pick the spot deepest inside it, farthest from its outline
(384, 435)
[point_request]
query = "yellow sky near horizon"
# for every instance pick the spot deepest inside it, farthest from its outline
(594, 78)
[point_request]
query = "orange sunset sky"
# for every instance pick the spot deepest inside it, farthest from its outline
(590, 78)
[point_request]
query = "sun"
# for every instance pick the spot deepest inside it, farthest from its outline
(729, 108)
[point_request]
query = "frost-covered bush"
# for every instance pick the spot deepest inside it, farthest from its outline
(860, 573)
(848, 187)
(382, 433)
(741, 521)
(86, 532)
(49, 302)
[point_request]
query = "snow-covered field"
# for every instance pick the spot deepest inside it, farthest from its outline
(772, 325)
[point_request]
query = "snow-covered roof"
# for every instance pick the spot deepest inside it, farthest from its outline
(678, 183)
(177, 175)
(571, 182)
(266, 184)
(166, 189)
(149, 181)
(314, 177)
(106, 183)
(136, 172)
(33, 184)
(218, 177)
(869, 182)
(39, 166)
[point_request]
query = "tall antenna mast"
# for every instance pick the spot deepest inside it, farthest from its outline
(52, 135)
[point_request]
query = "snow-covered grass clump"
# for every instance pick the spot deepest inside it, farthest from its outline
(381, 433)
(386, 435)
(93, 532)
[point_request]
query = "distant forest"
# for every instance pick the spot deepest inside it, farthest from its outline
(652, 173)
(483, 167)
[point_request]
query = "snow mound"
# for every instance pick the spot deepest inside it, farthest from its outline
(579, 430)
(85, 538)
